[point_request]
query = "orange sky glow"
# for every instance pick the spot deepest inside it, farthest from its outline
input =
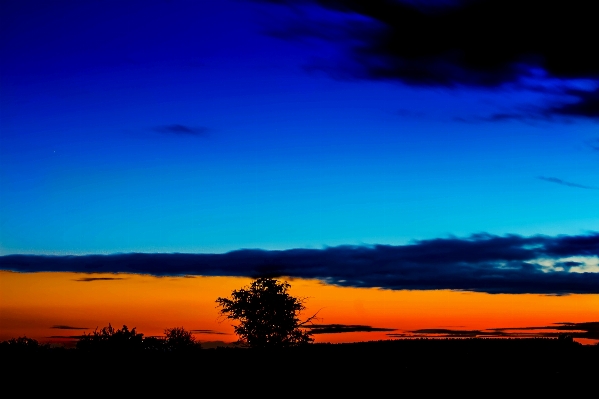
(32, 303)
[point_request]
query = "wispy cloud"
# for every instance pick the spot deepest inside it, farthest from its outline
(587, 330)
(481, 263)
(526, 116)
(342, 328)
(586, 104)
(181, 130)
(90, 279)
(566, 183)
(210, 332)
(567, 104)
(63, 327)
(444, 332)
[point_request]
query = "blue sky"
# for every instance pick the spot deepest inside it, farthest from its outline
(176, 126)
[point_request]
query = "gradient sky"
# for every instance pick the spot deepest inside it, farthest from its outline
(42, 306)
(415, 166)
(201, 126)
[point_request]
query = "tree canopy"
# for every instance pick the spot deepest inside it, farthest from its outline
(267, 315)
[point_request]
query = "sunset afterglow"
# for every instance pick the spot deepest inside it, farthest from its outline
(46, 306)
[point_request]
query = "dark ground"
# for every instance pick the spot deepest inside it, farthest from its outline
(460, 366)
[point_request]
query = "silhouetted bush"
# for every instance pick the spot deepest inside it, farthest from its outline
(180, 340)
(22, 345)
(110, 340)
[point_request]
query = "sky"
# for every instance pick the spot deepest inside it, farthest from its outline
(60, 307)
(399, 144)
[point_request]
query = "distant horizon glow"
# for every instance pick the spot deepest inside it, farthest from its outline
(40, 306)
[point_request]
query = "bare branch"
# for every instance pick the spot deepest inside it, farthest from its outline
(313, 317)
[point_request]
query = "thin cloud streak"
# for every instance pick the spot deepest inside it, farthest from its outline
(480, 263)
(342, 328)
(91, 279)
(181, 130)
(443, 332)
(63, 327)
(566, 183)
(210, 332)
(586, 330)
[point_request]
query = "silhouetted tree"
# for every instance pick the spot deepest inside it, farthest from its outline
(267, 315)
(179, 340)
(112, 340)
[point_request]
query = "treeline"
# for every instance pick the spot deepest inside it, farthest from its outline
(110, 340)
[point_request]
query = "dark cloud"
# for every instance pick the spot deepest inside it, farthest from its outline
(566, 183)
(499, 117)
(529, 116)
(342, 328)
(62, 327)
(586, 104)
(481, 263)
(181, 130)
(569, 264)
(569, 105)
(484, 43)
(209, 332)
(90, 279)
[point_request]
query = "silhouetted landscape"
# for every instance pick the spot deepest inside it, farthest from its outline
(275, 345)
(423, 172)
(376, 365)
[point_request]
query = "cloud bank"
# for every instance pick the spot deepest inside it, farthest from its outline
(480, 263)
